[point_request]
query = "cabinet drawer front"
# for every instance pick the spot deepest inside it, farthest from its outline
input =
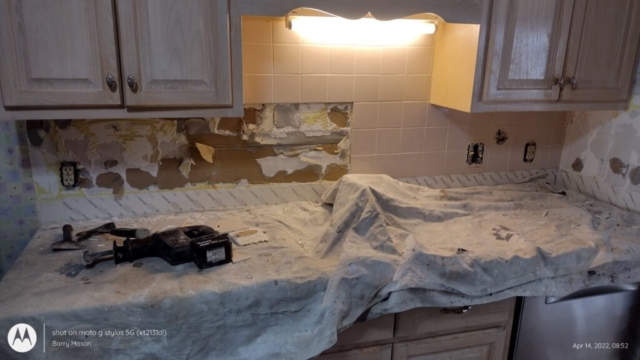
(477, 345)
(369, 353)
(378, 329)
(424, 322)
(58, 53)
(176, 52)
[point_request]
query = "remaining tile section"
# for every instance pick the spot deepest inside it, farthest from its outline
(342, 60)
(258, 89)
(441, 137)
(315, 88)
(368, 60)
(481, 179)
(130, 205)
(286, 89)
(341, 88)
(84, 208)
(257, 31)
(393, 121)
(367, 116)
(599, 189)
(315, 59)
(382, 73)
(287, 59)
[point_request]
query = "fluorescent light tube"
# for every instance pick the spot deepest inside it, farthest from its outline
(366, 31)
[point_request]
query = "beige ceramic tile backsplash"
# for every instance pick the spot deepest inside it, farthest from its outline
(394, 128)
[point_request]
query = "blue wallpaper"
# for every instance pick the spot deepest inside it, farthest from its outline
(18, 215)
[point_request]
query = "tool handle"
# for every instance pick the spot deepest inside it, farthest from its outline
(133, 249)
(67, 233)
(130, 233)
(104, 229)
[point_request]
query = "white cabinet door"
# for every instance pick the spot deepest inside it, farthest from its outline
(526, 51)
(58, 53)
(477, 345)
(602, 50)
(175, 53)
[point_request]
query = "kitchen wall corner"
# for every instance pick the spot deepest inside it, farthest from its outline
(18, 215)
(604, 147)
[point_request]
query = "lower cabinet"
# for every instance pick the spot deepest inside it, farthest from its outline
(475, 345)
(382, 352)
(479, 332)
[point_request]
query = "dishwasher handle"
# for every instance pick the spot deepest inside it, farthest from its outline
(593, 291)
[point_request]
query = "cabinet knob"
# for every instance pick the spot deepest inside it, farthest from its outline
(560, 82)
(111, 82)
(131, 81)
(574, 82)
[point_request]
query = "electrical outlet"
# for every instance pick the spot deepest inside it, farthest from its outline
(475, 153)
(529, 152)
(69, 174)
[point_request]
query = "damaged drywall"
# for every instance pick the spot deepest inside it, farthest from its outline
(270, 144)
(111, 180)
(607, 143)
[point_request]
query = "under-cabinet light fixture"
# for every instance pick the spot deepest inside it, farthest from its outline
(365, 31)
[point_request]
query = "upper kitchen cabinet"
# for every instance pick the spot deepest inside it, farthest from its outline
(539, 55)
(525, 58)
(58, 53)
(602, 50)
(175, 53)
(90, 59)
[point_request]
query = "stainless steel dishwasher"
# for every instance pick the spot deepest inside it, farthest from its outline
(599, 323)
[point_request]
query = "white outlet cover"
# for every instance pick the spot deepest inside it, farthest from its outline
(68, 176)
(530, 152)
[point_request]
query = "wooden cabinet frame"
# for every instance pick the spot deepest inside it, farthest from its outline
(460, 71)
(483, 330)
(182, 109)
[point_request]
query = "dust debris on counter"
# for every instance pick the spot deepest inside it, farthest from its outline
(374, 246)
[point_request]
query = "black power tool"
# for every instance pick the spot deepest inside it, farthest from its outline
(199, 244)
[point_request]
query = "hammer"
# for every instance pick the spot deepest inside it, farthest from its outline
(67, 242)
(110, 228)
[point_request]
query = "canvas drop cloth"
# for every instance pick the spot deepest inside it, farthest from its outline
(377, 246)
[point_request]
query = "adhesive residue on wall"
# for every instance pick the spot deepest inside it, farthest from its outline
(607, 144)
(270, 144)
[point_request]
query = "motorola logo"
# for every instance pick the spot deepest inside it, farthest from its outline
(22, 338)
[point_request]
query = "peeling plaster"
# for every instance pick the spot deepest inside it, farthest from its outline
(111, 180)
(634, 176)
(577, 165)
(270, 143)
(110, 163)
(313, 120)
(275, 164)
(139, 179)
(206, 152)
(618, 167)
(185, 167)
